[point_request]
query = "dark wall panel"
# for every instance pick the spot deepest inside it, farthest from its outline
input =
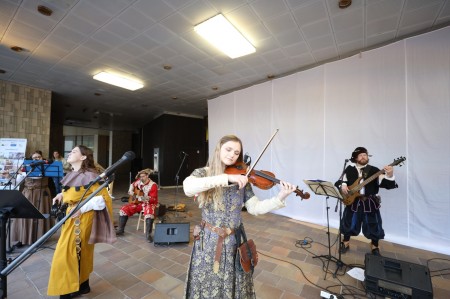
(172, 135)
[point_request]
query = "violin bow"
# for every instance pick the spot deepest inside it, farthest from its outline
(262, 152)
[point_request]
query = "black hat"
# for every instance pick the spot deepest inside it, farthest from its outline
(358, 151)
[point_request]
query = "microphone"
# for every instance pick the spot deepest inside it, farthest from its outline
(37, 163)
(184, 153)
(128, 156)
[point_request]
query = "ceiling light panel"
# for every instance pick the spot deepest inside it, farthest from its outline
(120, 81)
(224, 36)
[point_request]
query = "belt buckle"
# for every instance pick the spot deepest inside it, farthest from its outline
(220, 232)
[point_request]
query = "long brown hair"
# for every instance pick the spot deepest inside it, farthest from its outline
(215, 167)
(88, 163)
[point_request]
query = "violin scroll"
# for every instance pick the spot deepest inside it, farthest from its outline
(303, 195)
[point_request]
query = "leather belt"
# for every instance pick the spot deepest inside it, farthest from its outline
(366, 197)
(222, 232)
(35, 187)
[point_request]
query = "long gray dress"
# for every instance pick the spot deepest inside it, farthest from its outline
(202, 282)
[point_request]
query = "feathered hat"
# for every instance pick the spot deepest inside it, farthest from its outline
(147, 171)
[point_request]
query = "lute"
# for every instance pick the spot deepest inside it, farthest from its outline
(133, 199)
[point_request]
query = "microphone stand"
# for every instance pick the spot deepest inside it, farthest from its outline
(177, 177)
(14, 176)
(339, 262)
(33, 248)
(16, 186)
(6, 186)
(32, 168)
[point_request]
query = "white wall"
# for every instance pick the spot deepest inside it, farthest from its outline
(77, 131)
(393, 100)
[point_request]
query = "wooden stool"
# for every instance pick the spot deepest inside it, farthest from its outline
(141, 218)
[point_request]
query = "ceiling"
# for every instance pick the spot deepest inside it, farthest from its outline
(138, 38)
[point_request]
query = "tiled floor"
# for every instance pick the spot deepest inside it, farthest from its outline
(133, 268)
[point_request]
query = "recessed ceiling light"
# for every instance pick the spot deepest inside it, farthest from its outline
(2, 71)
(224, 36)
(214, 88)
(17, 49)
(120, 81)
(44, 10)
(97, 94)
(344, 3)
(270, 76)
(167, 67)
(174, 98)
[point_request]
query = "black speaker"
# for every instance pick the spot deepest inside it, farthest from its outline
(397, 279)
(169, 233)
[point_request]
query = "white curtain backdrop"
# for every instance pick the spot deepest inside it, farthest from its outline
(394, 100)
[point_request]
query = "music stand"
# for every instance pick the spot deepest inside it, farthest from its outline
(329, 190)
(54, 169)
(12, 205)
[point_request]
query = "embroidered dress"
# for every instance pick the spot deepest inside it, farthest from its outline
(73, 259)
(202, 281)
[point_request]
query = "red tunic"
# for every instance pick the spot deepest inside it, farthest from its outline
(147, 202)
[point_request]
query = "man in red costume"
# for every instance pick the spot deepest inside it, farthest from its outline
(143, 197)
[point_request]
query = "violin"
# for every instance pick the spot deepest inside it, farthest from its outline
(260, 178)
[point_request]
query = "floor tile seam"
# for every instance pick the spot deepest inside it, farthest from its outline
(295, 264)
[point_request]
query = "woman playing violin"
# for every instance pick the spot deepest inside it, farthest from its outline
(221, 196)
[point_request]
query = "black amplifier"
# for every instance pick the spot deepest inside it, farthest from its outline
(397, 279)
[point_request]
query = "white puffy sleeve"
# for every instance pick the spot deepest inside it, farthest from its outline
(258, 207)
(96, 203)
(193, 185)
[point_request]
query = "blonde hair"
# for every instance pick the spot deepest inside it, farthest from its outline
(215, 167)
